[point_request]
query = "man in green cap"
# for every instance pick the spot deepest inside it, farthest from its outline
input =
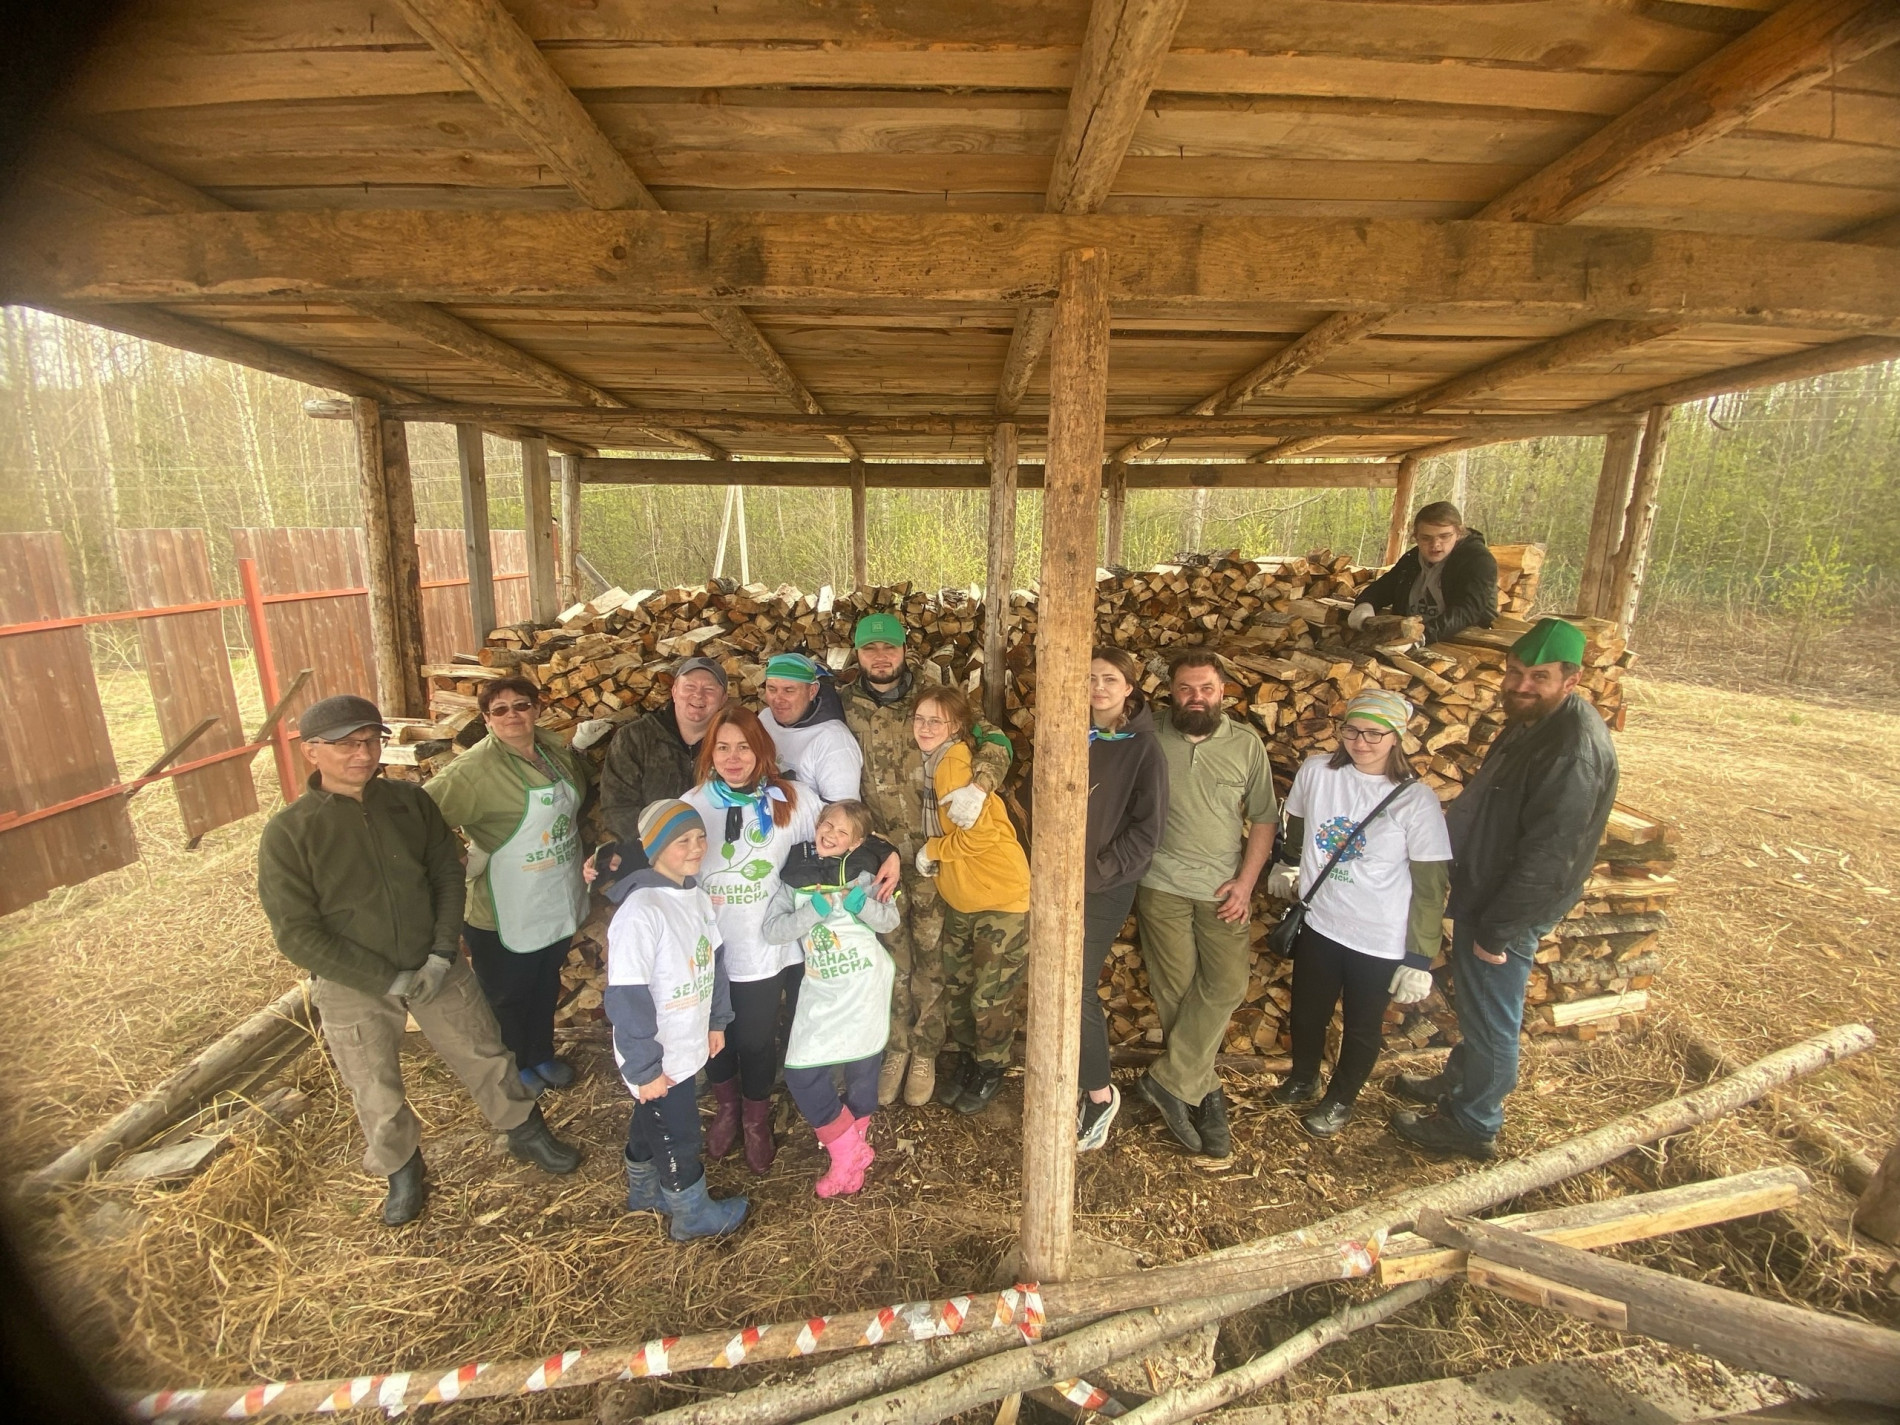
(1524, 835)
(878, 709)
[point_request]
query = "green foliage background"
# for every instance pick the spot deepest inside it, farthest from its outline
(1774, 501)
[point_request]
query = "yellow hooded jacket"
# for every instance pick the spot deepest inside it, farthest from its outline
(982, 868)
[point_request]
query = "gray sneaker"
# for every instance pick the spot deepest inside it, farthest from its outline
(1093, 1119)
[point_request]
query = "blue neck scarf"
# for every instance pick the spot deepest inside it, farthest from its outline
(760, 799)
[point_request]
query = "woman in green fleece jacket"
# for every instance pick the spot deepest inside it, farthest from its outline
(516, 796)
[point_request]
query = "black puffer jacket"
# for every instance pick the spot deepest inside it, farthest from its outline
(1469, 584)
(1525, 830)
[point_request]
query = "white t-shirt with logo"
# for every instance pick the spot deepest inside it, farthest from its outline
(742, 875)
(667, 939)
(1367, 899)
(825, 756)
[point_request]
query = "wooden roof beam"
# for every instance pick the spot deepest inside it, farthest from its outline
(495, 57)
(1123, 49)
(76, 167)
(893, 475)
(1785, 54)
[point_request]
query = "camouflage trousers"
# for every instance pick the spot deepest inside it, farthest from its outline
(985, 957)
(917, 994)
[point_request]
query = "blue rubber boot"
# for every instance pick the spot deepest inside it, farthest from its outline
(692, 1212)
(643, 1186)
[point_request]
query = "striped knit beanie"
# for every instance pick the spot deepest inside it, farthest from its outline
(663, 823)
(795, 666)
(1389, 710)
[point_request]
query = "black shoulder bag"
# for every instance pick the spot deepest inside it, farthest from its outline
(1284, 936)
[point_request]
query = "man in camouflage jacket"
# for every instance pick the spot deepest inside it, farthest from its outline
(877, 709)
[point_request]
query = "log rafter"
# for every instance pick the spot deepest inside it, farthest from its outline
(1785, 54)
(496, 58)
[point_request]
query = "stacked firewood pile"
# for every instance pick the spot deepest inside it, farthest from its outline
(1278, 625)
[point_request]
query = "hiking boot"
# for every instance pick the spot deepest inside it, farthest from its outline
(950, 1086)
(760, 1149)
(532, 1141)
(1439, 1134)
(980, 1088)
(1091, 1123)
(692, 1212)
(1328, 1118)
(1210, 1121)
(723, 1132)
(920, 1084)
(406, 1192)
(851, 1153)
(890, 1078)
(1295, 1091)
(643, 1186)
(1419, 1088)
(1173, 1112)
(555, 1073)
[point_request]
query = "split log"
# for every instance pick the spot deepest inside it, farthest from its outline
(1878, 1211)
(270, 1029)
(1832, 1354)
(189, 1155)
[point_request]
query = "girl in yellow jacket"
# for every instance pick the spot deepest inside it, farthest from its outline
(983, 878)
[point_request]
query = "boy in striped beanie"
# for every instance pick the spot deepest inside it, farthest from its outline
(669, 1005)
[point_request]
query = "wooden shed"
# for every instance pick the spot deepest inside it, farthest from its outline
(802, 242)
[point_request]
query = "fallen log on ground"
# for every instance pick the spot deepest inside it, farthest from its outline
(1830, 1353)
(1853, 1167)
(1263, 1266)
(272, 1028)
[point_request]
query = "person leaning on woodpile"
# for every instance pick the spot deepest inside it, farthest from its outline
(1367, 853)
(1448, 578)
(362, 881)
(1195, 902)
(652, 758)
(878, 708)
(805, 721)
(516, 797)
(1524, 836)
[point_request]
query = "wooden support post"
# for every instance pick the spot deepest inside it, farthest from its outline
(1639, 521)
(1115, 518)
(1000, 572)
(569, 579)
(1606, 518)
(1401, 524)
(1072, 492)
(473, 461)
(1833, 1354)
(395, 572)
(860, 530)
(537, 504)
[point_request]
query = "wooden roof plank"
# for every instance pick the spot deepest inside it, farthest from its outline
(785, 474)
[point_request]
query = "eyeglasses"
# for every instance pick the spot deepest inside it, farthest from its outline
(930, 724)
(372, 743)
(1364, 734)
(499, 709)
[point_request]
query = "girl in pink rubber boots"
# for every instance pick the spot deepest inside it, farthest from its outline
(824, 903)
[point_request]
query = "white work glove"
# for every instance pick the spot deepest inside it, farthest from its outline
(586, 734)
(1283, 881)
(477, 861)
(925, 866)
(1359, 616)
(1410, 984)
(429, 979)
(965, 804)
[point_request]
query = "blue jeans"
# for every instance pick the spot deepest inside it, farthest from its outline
(1490, 999)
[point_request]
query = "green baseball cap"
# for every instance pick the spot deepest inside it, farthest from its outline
(878, 628)
(1550, 640)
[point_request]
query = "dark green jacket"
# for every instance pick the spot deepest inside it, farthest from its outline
(358, 892)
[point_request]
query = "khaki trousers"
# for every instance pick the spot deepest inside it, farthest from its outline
(365, 1034)
(1197, 972)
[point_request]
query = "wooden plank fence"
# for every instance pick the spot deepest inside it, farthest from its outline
(446, 625)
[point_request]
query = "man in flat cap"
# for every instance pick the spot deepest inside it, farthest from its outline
(651, 758)
(1524, 835)
(362, 881)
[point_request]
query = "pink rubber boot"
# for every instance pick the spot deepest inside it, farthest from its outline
(850, 1156)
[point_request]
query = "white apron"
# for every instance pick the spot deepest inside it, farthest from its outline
(534, 877)
(844, 1003)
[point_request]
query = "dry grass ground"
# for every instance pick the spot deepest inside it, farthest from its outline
(272, 1263)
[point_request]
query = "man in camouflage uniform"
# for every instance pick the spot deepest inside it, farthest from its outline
(877, 709)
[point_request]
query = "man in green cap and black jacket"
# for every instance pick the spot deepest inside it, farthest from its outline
(362, 882)
(877, 709)
(1524, 835)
